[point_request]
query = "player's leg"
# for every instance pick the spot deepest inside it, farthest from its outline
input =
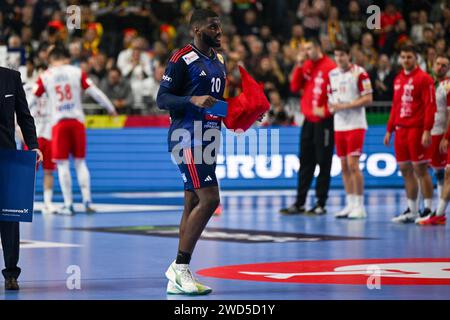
(348, 186)
(81, 169)
(84, 181)
(403, 157)
(438, 162)
(49, 208)
(179, 274)
(420, 159)
(341, 151)
(439, 173)
(356, 142)
(357, 179)
(201, 199)
(60, 155)
(412, 189)
(190, 202)
(49, 166)
(208, 200)
(438, 217)
(445, 197)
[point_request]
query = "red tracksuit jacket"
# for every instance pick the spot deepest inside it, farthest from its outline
(414, 102)
(312, 78)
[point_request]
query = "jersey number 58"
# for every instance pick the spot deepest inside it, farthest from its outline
(64, 94)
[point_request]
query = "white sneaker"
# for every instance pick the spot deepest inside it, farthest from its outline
(181, 281)
(172, 289)
(344, 212)
(357, 213)
(406, 217)
(67, 211)
(49, 210)
(425, 215)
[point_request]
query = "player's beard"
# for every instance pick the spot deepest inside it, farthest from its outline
(209, 40)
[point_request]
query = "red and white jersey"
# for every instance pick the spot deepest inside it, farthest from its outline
(442, 103)
(63, 85)
(344, 87)
(414, 101)
(40, 109)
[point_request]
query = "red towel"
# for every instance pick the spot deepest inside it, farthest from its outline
(248, 106)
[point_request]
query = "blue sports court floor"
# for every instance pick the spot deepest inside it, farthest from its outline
(123, 251)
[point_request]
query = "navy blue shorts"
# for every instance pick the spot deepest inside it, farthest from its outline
(195, 173)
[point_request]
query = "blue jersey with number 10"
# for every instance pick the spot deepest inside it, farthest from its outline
(191, 73)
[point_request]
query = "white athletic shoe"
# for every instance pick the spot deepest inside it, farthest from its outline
(181, 281)
(405, 217)
(172, 289)
(67, 211)
(344, 212)
(49, 210)
(357, 213)
(424, 215)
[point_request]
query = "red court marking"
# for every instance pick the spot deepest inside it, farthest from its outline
(413, 271)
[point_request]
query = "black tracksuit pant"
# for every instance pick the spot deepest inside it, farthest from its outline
(9, 232)
(316, 147)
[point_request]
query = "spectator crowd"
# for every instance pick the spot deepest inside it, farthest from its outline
(124, 45)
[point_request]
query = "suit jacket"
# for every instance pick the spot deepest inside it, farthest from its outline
(12, 100)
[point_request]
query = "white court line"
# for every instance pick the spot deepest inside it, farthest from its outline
(33, 244)
(115, 207)
(178, 194)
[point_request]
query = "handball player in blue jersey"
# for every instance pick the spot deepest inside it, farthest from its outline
(193, 82)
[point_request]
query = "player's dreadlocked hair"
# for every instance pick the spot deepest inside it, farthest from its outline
(200, 16)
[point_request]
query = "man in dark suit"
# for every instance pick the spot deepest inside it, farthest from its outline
(12, 100)
(383, 79)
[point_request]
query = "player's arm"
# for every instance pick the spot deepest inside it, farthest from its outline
(95, 93)
(443, 146)
(169, 98)
(297, 78)
(365, 91)
(391, 122)
(429, 100)
(38, 91)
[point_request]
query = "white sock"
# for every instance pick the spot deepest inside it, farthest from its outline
(350, 200)
(359, 201)
(412, 205)
(84, 179)
(65, 181)
(441, 207)
(419, 194)
(48, 195)
(428, 203)
(440, 187)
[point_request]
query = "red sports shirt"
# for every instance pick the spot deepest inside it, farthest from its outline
(414, 102)
(312, 78)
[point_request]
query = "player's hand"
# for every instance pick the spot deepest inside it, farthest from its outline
(387, 139)
(39, 155)
(203, 101)
(113, 113)
(319, 111)
(301, 57)
(261, 117)
(443, 146)
(426, 138)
